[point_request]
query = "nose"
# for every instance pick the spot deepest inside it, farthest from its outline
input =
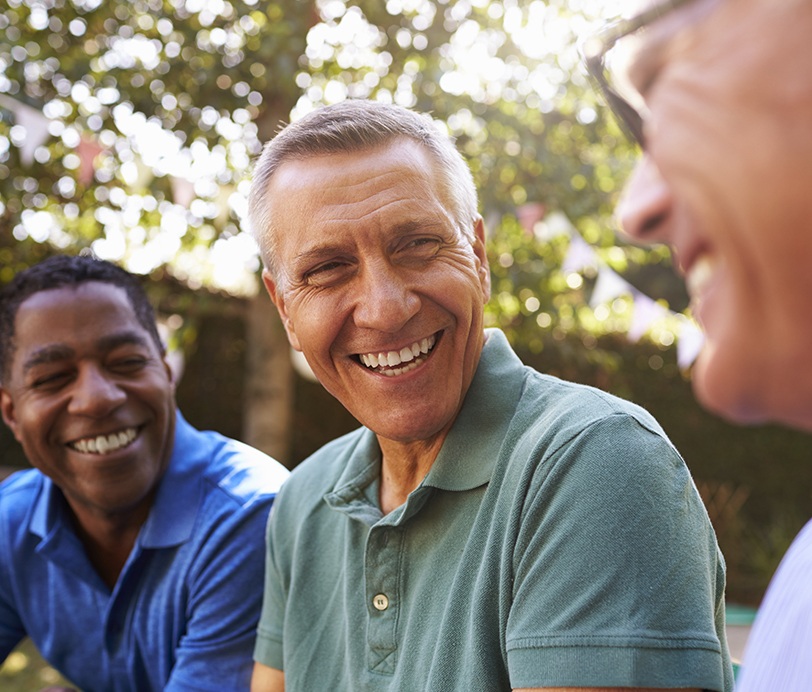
(95, 393)
(645, 208)
(385, 301)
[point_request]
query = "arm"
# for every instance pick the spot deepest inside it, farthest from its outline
(12, 631)
(617, 552)
(224, 603)
(267, 679)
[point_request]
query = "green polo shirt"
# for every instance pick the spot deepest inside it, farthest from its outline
(558, 540)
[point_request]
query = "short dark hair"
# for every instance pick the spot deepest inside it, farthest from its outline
(61, 271)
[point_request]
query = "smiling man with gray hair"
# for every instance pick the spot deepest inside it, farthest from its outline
(489, 527)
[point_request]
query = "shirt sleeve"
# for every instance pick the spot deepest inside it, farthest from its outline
(268, 649)
(777, 655)
(618, 578)
(224, 603)
(12, 631)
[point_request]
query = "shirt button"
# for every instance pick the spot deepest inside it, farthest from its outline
(380, 601)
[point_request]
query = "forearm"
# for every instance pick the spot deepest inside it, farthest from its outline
(265, 679)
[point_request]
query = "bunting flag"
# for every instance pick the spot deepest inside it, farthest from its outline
(689, 343)
(555, 224)
(529, 215)
(608, 287)
(581, 257)
(32, 121)
(87, 151)
(183, 191)
(644, 313)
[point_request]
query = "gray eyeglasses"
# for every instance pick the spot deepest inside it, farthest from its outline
(594, 51)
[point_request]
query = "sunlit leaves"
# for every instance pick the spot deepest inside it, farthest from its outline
(154, 110)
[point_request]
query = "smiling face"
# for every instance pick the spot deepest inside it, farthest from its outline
(90, 398)
(379, 287)
(725, 181)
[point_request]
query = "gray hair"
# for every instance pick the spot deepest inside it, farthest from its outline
(352, 126)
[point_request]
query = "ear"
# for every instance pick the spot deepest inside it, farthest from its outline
(170, 371)
(483, 268)
(7, 410)
(278, 298)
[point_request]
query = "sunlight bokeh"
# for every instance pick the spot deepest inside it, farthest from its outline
(207, 183)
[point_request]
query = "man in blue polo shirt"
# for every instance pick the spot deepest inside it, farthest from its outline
(490, 527)
(132, 552)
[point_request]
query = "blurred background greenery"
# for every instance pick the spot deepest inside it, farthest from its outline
(128, 129)
(25, 671)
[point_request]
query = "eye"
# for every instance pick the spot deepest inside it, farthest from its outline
(420, 247)
(128, 364)
(51, 380)
(327, 273)
(127, 359)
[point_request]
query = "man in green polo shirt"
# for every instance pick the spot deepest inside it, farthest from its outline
(490, 527)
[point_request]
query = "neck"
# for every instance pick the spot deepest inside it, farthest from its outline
(108, 539)
(404, 467)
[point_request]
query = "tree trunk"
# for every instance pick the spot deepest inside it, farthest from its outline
(268, 407)
(268, 404)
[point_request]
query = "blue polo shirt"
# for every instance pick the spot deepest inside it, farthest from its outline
(183, 613)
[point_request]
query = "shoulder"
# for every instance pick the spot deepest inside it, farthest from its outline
(20, 496)
(319, 473)
(559, 413)
(561, 398)
(227, 466)
(18, 491)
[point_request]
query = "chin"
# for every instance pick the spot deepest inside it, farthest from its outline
(727, 395)
(766, 388)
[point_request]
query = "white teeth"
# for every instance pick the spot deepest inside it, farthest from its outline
(407, 355)
(699, 276)
(105, 443)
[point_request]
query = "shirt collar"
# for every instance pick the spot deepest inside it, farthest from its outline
(470, 451)
(177, 501)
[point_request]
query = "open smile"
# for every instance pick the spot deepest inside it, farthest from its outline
(105, 444)
(393, 363)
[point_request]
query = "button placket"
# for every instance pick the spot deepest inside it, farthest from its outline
(382, 561)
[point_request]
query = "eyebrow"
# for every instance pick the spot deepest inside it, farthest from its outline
(54, 353)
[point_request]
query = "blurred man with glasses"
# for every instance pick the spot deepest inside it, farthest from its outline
(719, 96)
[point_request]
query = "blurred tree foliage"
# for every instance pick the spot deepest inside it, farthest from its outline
(129, 127)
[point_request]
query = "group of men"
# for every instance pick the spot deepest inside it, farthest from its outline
(488, 527)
